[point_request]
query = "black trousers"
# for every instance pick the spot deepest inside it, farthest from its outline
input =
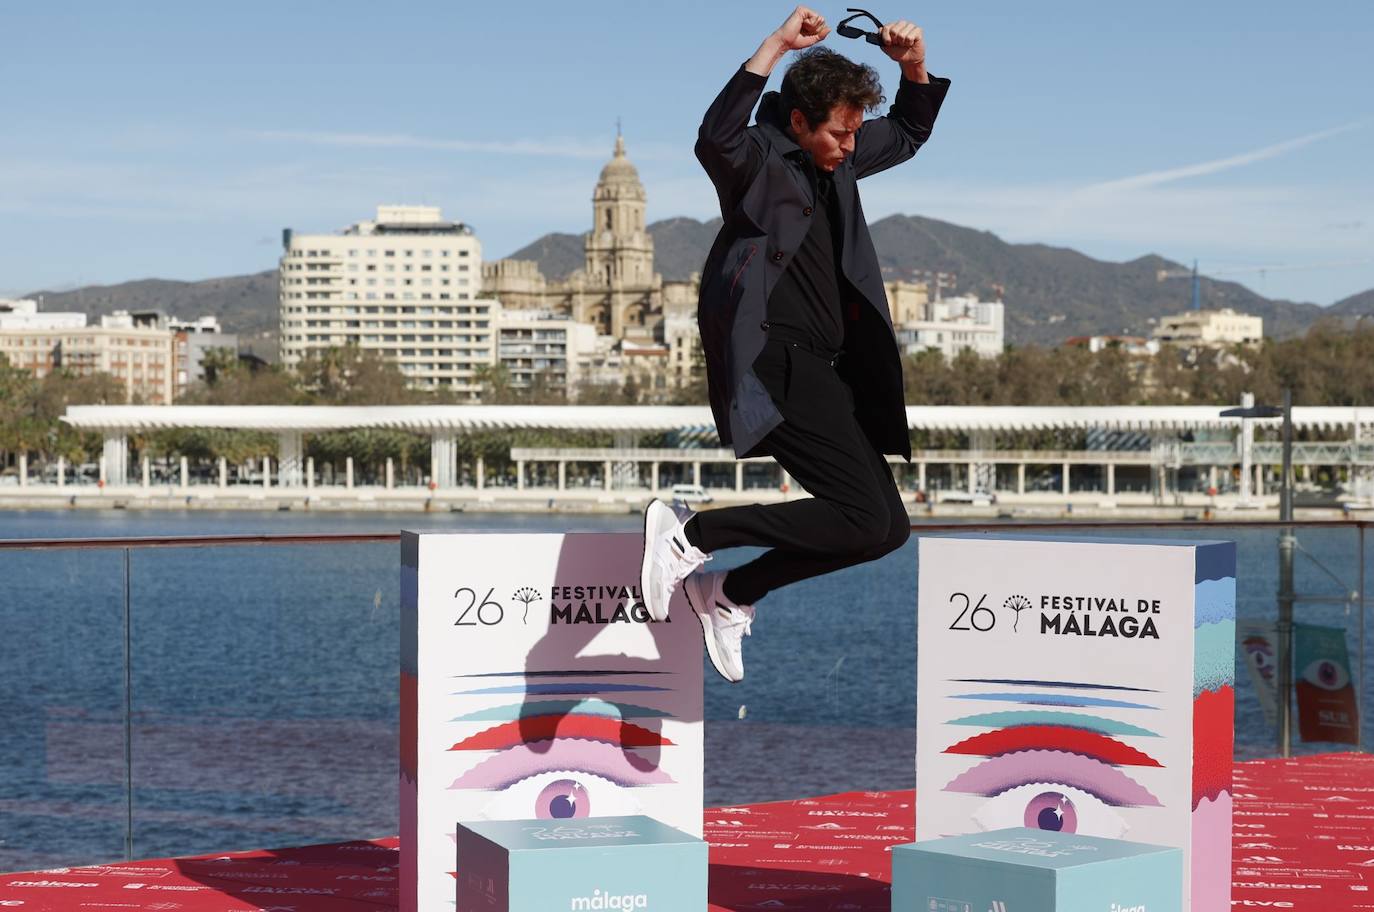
(855, 513)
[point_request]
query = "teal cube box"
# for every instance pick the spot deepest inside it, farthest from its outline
(1025, 870)
(594, 864)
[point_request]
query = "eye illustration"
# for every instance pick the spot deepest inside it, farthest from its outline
(1060, 809)
(1260, 653)
(1326, 674)
(1053, 769)
(569, 751)
(561, 796)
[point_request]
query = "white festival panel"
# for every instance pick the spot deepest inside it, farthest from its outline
(534, 686)
(1081, 686)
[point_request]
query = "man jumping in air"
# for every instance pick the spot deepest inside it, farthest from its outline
(801, 359)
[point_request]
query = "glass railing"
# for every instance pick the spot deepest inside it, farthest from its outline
(178, 695)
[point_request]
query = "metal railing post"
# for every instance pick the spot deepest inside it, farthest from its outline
(1364, 689)
(1287, 545)
(128, 719)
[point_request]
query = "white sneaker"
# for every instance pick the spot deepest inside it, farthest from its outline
(668, 558)
(724, 625)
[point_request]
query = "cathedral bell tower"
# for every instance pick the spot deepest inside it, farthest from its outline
(620, 252)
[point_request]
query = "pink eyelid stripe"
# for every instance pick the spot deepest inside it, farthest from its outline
(1051, 768)
(571, 755)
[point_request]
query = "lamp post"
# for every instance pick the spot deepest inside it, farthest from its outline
(1287, 545)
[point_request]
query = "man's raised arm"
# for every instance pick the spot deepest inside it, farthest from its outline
(722, 147)
(886, 141)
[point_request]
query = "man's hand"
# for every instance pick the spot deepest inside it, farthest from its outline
(906, 44)
(802, 29)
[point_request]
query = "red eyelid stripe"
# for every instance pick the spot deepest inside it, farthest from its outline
(1053, 737)
(545, 728)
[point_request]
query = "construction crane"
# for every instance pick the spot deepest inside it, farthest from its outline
(1162, 274)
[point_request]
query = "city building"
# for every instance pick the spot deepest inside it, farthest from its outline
(1210, 329)
(617, 289)
(24, 314)
(141, 358)
(404, 285)
(195, 339)
(192, 340)
(1131, 345)
(541, 347)
(952, 325)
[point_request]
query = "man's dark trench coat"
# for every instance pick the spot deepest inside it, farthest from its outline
(766, 185)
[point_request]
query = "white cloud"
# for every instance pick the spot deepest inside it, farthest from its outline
(554, 147)
(1134, 191)
(558, 148)
(1216, 166)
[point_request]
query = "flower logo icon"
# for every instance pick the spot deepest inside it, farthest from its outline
(526, 595)
(1017, 604)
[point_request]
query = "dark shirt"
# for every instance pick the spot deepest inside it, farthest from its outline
(806, 299)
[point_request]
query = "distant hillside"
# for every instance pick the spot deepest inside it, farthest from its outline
(1357, 305)
(1051, 292)
(557, 254)
(246, 305)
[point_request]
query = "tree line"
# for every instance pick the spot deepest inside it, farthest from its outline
(1329, 365)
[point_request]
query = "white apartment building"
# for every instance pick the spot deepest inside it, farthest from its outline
(404, 285)
(534, 342)
(951, 325)
(1211, 329)
(24, 314)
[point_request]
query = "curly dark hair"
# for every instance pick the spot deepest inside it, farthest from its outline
(820, 78)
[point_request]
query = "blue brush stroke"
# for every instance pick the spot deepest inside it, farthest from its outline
(1214, 601)
(562, 689)
(1214, 657)
(1015, 719)
(1053, 700)
(512, 712)
(1067, 684)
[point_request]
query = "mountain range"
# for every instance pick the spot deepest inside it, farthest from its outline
(1051, 293)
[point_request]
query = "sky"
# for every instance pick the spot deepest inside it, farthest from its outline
(177, 140)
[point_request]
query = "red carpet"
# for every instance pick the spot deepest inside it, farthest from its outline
(1304, 839)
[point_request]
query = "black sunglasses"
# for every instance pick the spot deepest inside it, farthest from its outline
(853, 31)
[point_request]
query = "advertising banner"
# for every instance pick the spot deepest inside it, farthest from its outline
(1259, 648)
(1080, 685)
(1327, 707)
(534, 685)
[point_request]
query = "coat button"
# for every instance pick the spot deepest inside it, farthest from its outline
(777, 256)
(806, 211)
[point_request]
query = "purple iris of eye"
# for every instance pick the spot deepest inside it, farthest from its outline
(1051, 811)
(1326, 672)
(562, 800)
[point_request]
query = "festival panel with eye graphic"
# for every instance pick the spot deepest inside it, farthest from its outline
(1327, 704)
(1055, 768)
(583, 747)
(535, 687)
